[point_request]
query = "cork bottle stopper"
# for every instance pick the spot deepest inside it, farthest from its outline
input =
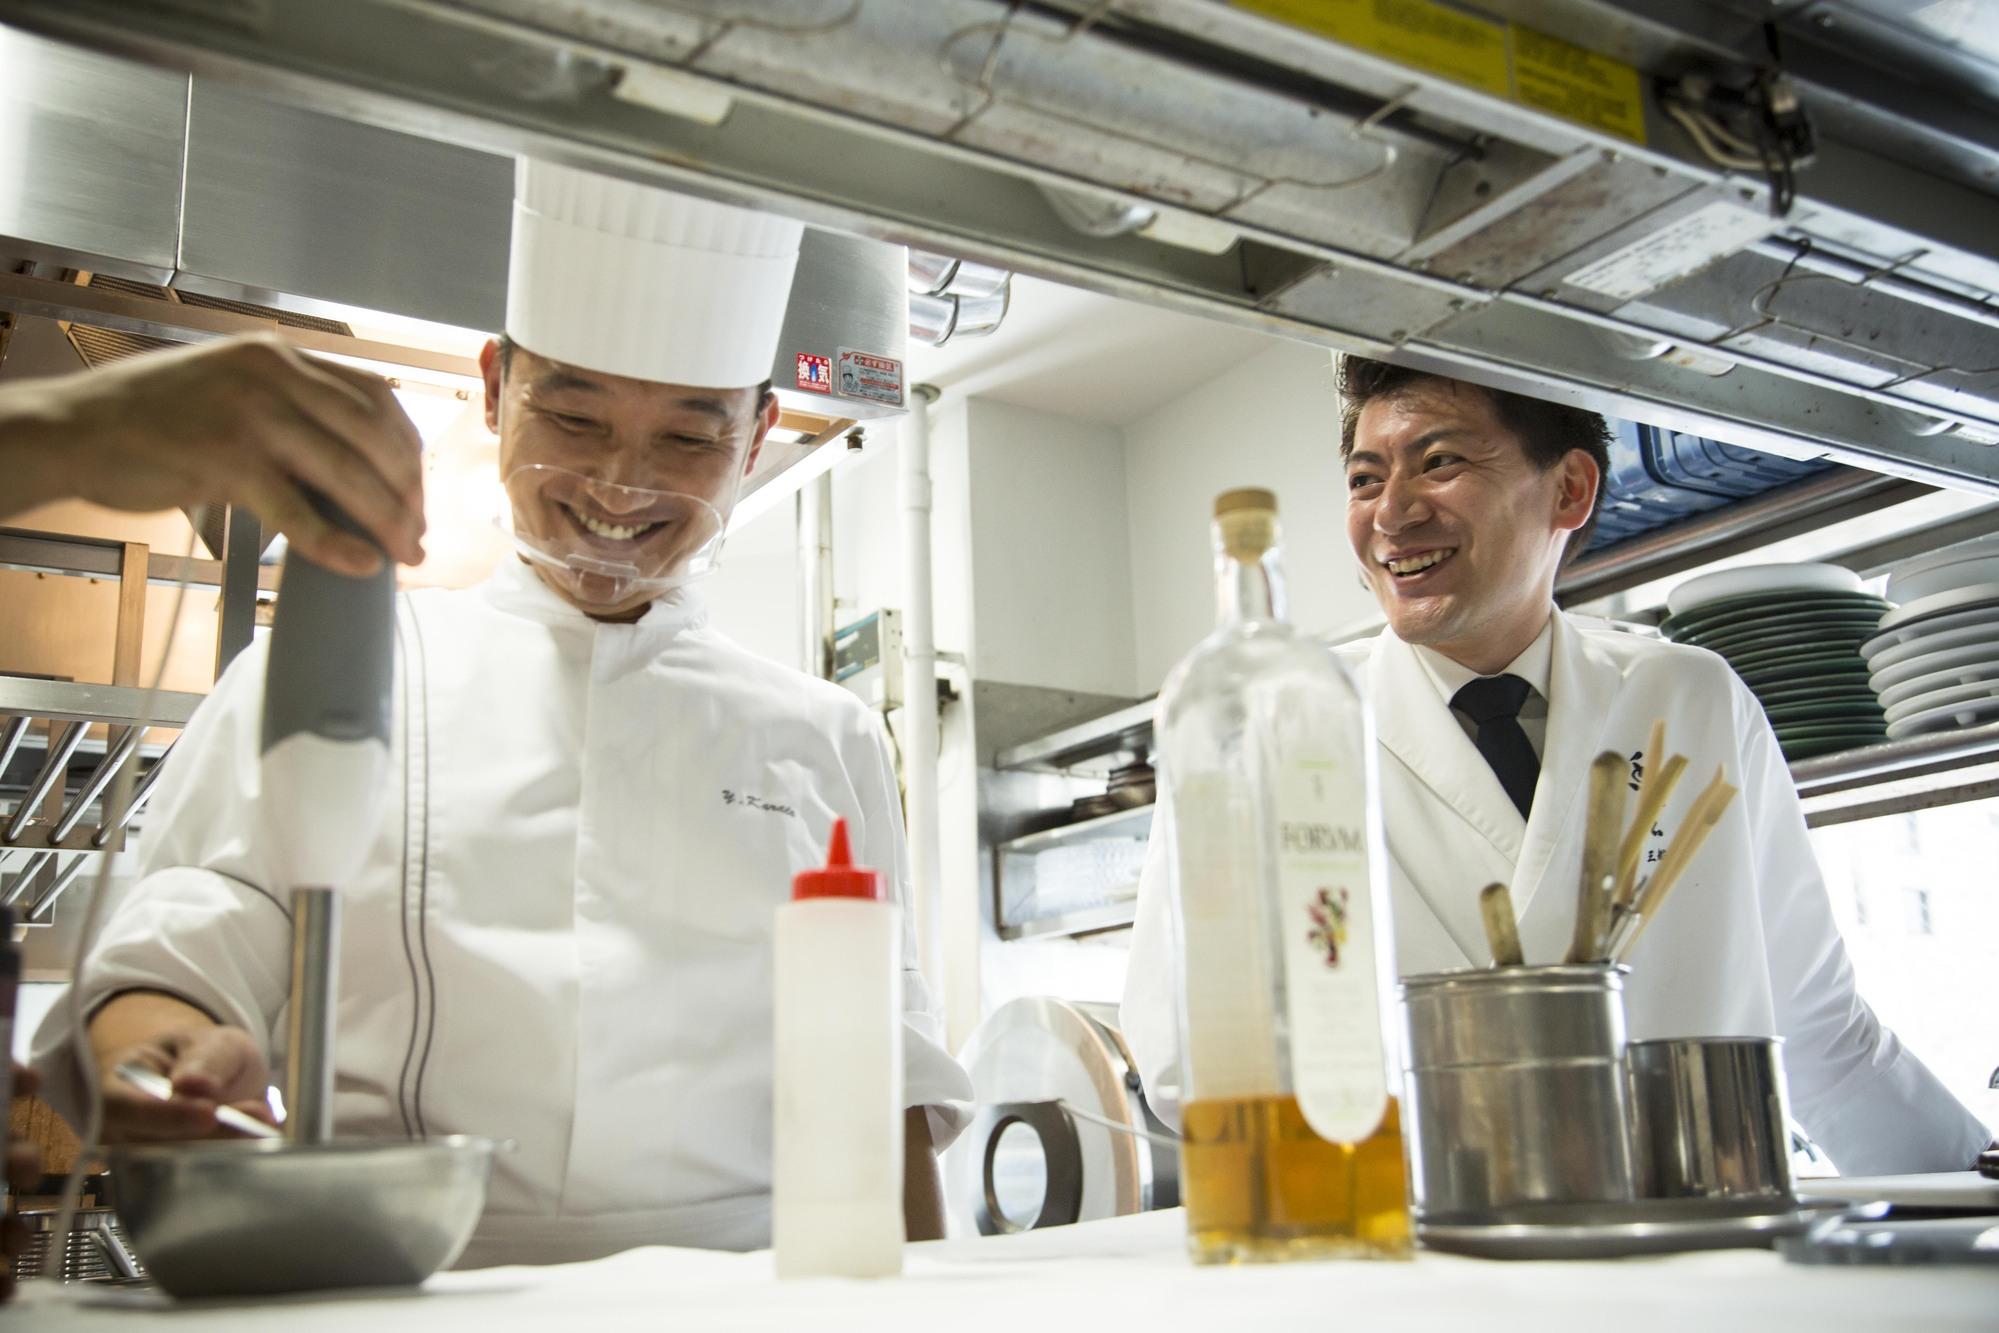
(1247, 521)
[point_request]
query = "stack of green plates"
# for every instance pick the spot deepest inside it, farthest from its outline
(1798, 650)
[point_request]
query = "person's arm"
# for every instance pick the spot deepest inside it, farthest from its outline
(922, 1184)
(1866, 1098)
(210, 1064)
(197, 940)
(247, 421)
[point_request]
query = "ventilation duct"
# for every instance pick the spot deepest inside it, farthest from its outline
(955, 298)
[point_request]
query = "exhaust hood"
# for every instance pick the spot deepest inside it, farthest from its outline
(1493, 188)
(231, 199)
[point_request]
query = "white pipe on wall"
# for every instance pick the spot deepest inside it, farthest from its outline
(919, 676)
(815, 577)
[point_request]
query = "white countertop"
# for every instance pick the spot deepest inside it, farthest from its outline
(1126, 1273)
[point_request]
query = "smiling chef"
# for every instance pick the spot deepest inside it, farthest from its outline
(562, 934)
(1462, 504)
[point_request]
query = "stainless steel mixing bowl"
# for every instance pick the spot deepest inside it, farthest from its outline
(258, 1216)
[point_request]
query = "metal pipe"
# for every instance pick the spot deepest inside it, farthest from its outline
(919, 677)
(100, 778)
(22, 878)
(10, 741)
(815, 577)
(139, 794)
(52, 771)
(1753, 521)
(47, 899)
(314, 996)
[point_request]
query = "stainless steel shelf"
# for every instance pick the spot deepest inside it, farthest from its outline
(1890, 761)
(1123, 732)
(1084, 830)
(49, 833)
(1898, 777)
(117, 705)
(1097, 919)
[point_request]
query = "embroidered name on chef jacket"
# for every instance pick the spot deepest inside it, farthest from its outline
(756, 803)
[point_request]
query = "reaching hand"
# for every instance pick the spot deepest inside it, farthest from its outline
(209, 1066)
(249, 421)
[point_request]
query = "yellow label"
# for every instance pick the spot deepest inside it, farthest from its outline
(1504, 60)
(1443, 40)
(1553, 76)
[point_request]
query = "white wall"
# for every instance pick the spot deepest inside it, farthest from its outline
(753, 596)
(1271, 421)
(1051, 561)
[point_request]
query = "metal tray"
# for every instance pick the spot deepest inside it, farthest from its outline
(1616, 1230)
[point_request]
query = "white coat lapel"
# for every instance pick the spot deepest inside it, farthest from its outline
(1439, 766)
(1416, 727)
(1583, 685)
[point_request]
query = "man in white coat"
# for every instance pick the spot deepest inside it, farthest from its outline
(562, 931)
(1490, 705)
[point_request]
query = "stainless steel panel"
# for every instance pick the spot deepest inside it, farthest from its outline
(1366, 303)
(90, 159)
(849, 293)
(816, 128)
(284, 201)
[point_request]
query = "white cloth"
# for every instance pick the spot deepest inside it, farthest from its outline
(562, 936)
(1532, 666)
(1119, 1273)
(1746, 946)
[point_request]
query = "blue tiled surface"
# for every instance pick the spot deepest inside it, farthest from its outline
(1659, 477)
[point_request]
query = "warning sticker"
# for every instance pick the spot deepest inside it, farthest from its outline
(815, 373)
(1675, 250)
(1551, 75)
(875, 378)
(1467, 46)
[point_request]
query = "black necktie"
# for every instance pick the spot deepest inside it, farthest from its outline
(1493, 702)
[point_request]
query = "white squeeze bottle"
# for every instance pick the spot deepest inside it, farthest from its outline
(836, 1174)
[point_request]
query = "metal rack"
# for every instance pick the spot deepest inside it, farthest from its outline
(1899, 776)
(1891, 778)
(61, 816)
(1131, 827)
(1084, 749)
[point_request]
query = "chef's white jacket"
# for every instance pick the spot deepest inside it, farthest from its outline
(1745, 946)
(562, 933)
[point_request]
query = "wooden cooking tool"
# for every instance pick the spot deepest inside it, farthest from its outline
(1502, 929)
(1600, 846)
(1652, 797)
(1707, 810)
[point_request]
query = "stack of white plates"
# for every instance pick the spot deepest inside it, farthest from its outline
(1793, 633)
(1935, 661)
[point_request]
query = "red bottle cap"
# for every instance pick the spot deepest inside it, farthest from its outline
(841, 878)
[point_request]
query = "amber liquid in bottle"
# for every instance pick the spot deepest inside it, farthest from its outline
(1260, 1185)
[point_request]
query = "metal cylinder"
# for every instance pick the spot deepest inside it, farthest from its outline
(1710, 1118)
(309, 1051)
(1516, 1090)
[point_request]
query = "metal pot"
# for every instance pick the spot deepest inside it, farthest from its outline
(1516, 1090)
(263, 1216)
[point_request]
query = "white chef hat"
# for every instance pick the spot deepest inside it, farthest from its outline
(631, 280)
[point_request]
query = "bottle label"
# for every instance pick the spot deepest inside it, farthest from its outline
(1338, 1068)
(1231, 1017)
